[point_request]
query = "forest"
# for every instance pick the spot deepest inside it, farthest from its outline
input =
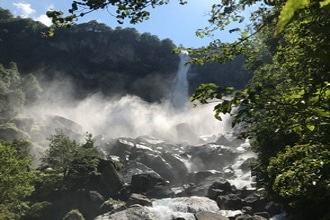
(283, 110)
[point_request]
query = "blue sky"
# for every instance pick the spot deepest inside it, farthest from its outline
(173, 21)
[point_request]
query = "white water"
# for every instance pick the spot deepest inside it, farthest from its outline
(184, 207)
(130, 116)
(179, 96)
(243, 179)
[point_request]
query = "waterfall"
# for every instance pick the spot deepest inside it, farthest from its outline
(180, 96)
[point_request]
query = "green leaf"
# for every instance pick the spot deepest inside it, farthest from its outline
(298, 129)
(287, 12)
(324, 3)
(321, 112)
(311, 127)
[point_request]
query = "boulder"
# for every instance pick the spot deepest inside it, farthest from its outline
(179, 168)
(121, 147)
(151, 185)
(138, 199)
(62, 202)
(134, 167)
(202, 186)
(154, 156)
(229, 141)
(74, 215)
(110, 181)
(96, 197)
(158, 164)
(221, 187)
(142, 183)
(246, 165)
(112, 205)
(133, 213)
(256, 201)
(10, 132)
(265, 215)
(230, 202)
(200, 176)
(211, 156)
(209, 216)
(250, 217)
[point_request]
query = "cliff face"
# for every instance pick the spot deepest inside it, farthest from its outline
(119, 61)
(93, 56)
(97, 58)
(230, 74)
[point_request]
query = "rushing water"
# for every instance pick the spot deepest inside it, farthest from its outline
(179, 96)
(182, 207)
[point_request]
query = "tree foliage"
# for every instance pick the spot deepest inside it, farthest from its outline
(284, 110)
(302, 174)
(135, 11)
(71, 163)
(16, 179)
(292, 6)
(16, 91)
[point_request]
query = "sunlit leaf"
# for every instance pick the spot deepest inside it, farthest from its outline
(311, 127)
(324, 3)
(298, 129)
(290, 7)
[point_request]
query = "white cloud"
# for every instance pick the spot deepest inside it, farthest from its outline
(25, 9)
(44, 19)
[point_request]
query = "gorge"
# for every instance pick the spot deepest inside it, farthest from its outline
(155, 149)
(177, 162)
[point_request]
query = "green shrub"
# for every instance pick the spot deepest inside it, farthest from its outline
(301, 177)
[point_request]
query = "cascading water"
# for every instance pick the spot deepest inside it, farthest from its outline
(131, 117)
(179, 96)
(194, 128)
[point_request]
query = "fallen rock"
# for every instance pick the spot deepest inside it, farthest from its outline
(230, 202)
(209, 216)
(221, 187)
(138, 199)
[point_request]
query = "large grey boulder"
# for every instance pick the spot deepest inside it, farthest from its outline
(201, 186)
(10, 132)
(151, 185)
(211, 156)
(221, 187)
(133, 213)
(250, 217)
(110, 181)
(209, 216)
(153, 154)
(256, 201)
(230, 202)
(138, 199)
(179, 169)
(134, 167)
(158, 164)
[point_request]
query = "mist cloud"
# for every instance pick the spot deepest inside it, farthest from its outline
(129, 116)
